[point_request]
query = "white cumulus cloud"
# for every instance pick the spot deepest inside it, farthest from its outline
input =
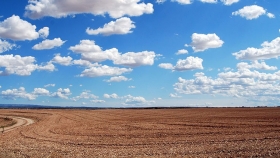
(229, 2)
(41, 91)
(44, 32)
(270, 15)
(46, 67)
(269, 50)
(49, 44)
(13, 94)
(190, 63)
(22, 66)
(160, 1)
(104, 70)
(255, 65)
(183, 1)
(85, 95)
(62, 93)
(247, 82)
(94, 53)
(182, 51)
(62, 60)
(133, 59)
(113, 96)
(17, 29)
(201, 42)
(136, 101)
(6, 46)
(119, 27)
(166, 66)
(209, 1)
(115, 8)
(118, 79)
(252, 12)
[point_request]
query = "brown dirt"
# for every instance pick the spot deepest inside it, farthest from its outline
(5, 122)
(203, 132)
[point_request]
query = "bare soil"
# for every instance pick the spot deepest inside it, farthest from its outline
(5, 122)
(197, 132)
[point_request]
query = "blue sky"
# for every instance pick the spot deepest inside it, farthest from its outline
(128, 53)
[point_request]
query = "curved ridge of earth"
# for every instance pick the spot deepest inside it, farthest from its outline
(20, 121)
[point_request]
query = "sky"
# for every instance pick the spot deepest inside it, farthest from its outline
(133, 53)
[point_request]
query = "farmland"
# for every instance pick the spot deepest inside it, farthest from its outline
(4, 121)
(190, 132)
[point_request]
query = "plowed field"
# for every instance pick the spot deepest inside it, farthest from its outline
(197, 132)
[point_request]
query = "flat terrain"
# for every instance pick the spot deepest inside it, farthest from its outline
(193, 132)
(5, 121)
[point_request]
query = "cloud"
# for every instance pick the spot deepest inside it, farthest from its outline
(130, 100)
(85, 95)
(49, 85)
(17, 29)
(252, 12)
(113, 96)
(133, 59)
(41, 91)
(190, 63)
(5, 46)
(44, 32)
(47, 67)
(66, 61)
(22, 66)
(97, 101)
(62, 93)
(182, 1)
(57, 8)
(255, 65)
(243, 83)
(49, 44)
(98, 70)
(85, 46)
(160, 1)
(118, 79)
(269, 50)
(131, 87)
(92, 52)
(201, 42)
(166, 66)
(182, 51)
(13, 94)
(104, 70)
(229, 2)
(209, 1)
(119, 27)
(175, 95)
(225, 2)
(84, 63)
(136, 101)
(270, 15)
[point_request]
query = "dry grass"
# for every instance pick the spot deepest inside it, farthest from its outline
(209, 132)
